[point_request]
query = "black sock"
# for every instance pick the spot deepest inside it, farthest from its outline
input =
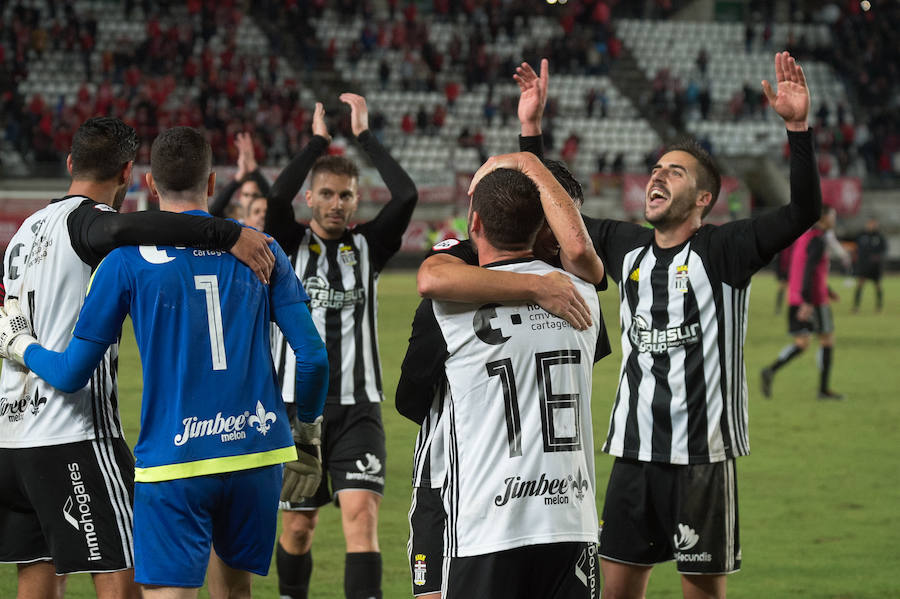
(362, 575)
(787, 354)
(779, 299)
(857, 297)
(825, 354)
(294, 572)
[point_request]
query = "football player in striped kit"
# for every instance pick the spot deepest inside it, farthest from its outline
(680, 413)
(339, 267)
(66, 473)
(516, 526)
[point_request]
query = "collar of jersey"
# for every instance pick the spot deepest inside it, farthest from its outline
(510, 261)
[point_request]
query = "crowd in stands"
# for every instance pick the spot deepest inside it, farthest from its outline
(187, 69)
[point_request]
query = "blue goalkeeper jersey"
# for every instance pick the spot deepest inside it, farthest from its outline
(211, 401)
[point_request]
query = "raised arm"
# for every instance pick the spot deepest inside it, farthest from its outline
(391, 222)
(532, 100)
(576, 248)
(280, 220)
(247, 169)
(777, 229)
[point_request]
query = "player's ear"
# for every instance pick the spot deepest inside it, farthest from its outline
(475, 226)
(151, 185)
(69, 163)
(704, 199)
(211, 185)
(125, 175)
(309, 198)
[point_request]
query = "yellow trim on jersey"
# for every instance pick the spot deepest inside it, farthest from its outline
(156, 474)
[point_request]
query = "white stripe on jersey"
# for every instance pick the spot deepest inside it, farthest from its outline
(44, 272)
(517, 421)
(709, 369)
(430, 452)
(344, 307)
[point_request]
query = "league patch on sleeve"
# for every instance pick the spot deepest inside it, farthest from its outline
(445, 245)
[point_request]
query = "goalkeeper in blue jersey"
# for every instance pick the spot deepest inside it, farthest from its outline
(214, 429)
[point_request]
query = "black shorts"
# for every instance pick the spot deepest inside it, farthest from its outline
(353, 454)
(657, 512)
(821, 322)
(71, 503)
(872, 273)
(548, 571)
(426, 540)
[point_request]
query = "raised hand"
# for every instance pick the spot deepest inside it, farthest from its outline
(246, 162)
(318, 123)
(359, 112)
(532, 96)
(791, 102)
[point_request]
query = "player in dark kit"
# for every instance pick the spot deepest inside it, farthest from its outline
(810, 305)
(339, 267)
(871, 249)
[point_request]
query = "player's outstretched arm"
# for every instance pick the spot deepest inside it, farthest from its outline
(385, 231)
(576, 249)
(446, 277)
(779, 228)
(280, 222)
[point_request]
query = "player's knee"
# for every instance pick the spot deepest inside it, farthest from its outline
(298, 530)
(802, 342)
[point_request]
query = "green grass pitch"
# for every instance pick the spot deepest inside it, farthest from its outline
(819, 495)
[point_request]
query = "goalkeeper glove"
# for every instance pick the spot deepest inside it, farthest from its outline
(302, 476)
(15, 332)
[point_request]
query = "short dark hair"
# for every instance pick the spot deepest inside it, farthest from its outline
(101, 147)
(509, 206)
(336, 165)
(565, 178)
(708, 178)
(180, 160)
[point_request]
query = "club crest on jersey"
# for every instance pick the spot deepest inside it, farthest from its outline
(346, 255)
(660, 341)
(321, 294)
(681, 278)
(419, 570)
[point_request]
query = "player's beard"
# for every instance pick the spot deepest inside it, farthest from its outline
(678, 211)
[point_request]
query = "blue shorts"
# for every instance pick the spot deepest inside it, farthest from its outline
(175, 522)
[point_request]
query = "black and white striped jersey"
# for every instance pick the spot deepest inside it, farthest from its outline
(44, 271)
(341, 275)
(682, 394)
(515, 428)
(341, 278)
